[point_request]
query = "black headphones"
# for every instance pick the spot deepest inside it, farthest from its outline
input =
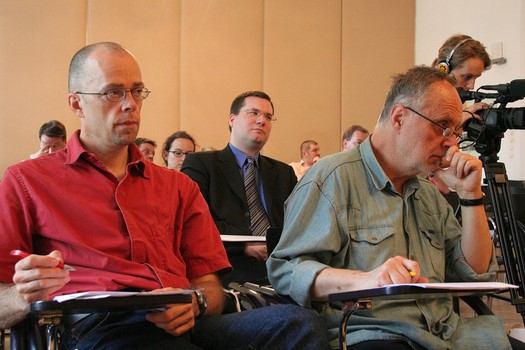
(444, 66)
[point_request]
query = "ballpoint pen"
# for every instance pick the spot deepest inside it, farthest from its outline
(22, 254)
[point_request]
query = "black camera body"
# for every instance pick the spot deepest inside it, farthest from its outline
(486, 133)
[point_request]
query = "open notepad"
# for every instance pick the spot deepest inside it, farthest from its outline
(462, 285)
(112, 294)
(423, 290)
(241, 238)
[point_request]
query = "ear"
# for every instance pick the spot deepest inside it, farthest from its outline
(397, 116)
(231, 118)
(76, 105)
(165, 155)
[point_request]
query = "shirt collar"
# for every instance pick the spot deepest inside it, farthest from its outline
(376, 173)
(240, 156)
(137, 165)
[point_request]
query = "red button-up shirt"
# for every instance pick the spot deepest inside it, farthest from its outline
(150, 230)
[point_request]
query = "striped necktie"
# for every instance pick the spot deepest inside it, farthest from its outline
(258, 219)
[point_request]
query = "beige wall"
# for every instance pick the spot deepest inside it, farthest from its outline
(325, 63)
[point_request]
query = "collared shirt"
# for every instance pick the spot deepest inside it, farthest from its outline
(346, 214)
(240, 158)
(151, 229)
(300, 168)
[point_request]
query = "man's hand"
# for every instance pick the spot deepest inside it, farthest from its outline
(397, 270)
(461, 172)
(256, 250)
(177, 319)
(42, 151)
(38, 276)
(470, 111)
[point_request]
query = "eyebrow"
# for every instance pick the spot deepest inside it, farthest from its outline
(112, 86)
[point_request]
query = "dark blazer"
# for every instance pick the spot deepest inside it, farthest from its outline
(222, 186)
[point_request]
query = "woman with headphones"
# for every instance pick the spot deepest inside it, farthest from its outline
(465, 59)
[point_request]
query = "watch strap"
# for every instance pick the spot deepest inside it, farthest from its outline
(472, 202)
(201, 301)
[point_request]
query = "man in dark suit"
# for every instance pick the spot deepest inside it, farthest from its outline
(220, 176)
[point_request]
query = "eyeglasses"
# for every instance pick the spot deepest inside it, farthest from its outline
(447, 132)
(179, 153)
(255, 113)
(117, 95)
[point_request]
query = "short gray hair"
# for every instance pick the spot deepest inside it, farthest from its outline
(412, 87)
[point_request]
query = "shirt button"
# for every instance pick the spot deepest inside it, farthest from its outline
(247, 214)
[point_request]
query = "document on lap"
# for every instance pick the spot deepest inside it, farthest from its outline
(241, 238)
(107, 294)
(461, 285)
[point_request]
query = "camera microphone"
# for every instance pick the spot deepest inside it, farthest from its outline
(514, 89)
(467, 95)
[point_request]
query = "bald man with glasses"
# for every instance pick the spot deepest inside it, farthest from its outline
(364, 219)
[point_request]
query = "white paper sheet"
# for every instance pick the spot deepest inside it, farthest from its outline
(107, 294)
(239, 238)
(462, 285)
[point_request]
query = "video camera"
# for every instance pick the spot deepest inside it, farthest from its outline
(486, 134)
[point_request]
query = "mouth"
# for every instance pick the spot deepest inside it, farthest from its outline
(441, 161)
(128, 123)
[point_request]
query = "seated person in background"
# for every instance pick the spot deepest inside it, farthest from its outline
(147, 147)
(239, 206)
(52, 136)
(176, 147)
(114, 241)
(207, 148)
(364, 219)
(465, 59)
(310, 153)
(353, 137)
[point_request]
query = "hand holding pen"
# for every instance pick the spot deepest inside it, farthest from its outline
(37, 277)
(22, 254)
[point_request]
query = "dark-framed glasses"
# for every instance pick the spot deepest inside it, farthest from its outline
(179, 153)
(447, 132)
(255, 113)
(117, 95)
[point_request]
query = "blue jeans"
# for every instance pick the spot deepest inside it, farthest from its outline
(273, 327)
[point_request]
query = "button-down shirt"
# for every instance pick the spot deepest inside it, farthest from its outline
(300, 168)
(151, 229)
(346, 214)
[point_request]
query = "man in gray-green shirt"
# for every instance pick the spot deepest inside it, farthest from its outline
(363, 219)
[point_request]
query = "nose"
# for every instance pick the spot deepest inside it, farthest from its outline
(451, 141)
(129, 103)
(470, 84)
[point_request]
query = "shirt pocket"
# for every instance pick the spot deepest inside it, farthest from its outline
(370, 246)
(433, 251)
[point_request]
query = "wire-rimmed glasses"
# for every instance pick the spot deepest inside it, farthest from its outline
(117, 95)
(255, 113)
(447, 132)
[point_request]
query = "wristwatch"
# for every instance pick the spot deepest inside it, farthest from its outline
(201, 301)
(472, 202)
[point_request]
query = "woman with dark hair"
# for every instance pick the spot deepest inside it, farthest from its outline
(177, 146)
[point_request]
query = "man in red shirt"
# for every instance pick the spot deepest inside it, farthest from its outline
(123, 223)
